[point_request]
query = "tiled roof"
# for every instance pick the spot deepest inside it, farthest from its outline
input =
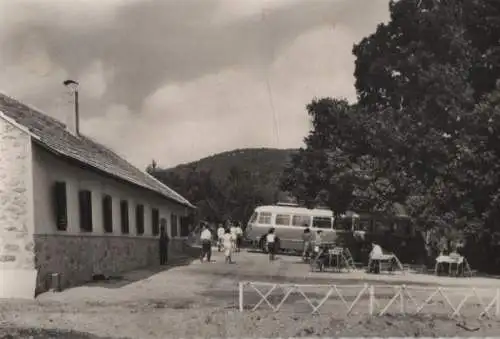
(53, 135)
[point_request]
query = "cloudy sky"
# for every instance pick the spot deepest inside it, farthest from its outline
(178, 80)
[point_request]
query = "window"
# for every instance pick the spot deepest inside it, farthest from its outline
(380, 227)
(301, 220)
(85, 199)
(124, 216)
(322, 222)
(107, 213)
(155, 221)
(402, 227)
(60, 206)
(173, 224)
(283, 219)
(265, 218)
(344, 224)
(139, 219)
(363, 225)
(253, 218)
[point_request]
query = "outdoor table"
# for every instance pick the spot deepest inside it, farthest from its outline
(334, 254)
(382, 259)
(452, 260)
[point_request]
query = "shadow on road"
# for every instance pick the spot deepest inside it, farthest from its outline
(127, 278)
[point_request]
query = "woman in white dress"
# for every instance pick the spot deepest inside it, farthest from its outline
(220, 234)
(228, 244)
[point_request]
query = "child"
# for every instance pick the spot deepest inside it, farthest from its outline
(228, 244)
(220, 234)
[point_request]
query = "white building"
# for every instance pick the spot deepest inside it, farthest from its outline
(72, 207)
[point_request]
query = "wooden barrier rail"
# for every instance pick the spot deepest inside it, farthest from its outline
(402, 294)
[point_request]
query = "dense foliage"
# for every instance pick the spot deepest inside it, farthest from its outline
(424, 130)
(228, 185)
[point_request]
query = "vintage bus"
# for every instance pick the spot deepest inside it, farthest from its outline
(352, 230)
(289, 222)
(395, 233)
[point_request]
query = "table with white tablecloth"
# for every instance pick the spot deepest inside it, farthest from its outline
(378, 262)
(453, 261)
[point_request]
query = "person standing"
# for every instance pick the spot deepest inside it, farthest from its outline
(220, 234)
(318, 239)
(232, 229)
(306, 240)
(228, 245)
(206, 243)
(239, 237)
(164, 240)
(271, 243)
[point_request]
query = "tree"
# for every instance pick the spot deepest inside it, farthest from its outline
(241, 195)
(478, 162)
(420, 88)
(234, 198)
(337, 163)
(415, 94)
(482, 20)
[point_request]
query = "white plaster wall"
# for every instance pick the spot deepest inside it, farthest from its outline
(48, 168)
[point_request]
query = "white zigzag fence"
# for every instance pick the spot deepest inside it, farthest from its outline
(365, 298)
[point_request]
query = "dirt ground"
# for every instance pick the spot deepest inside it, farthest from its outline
(201, 300)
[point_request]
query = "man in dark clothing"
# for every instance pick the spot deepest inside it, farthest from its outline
(307, 243)
(164, 239)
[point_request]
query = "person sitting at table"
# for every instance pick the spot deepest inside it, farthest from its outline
(374, 258)
(443, 246)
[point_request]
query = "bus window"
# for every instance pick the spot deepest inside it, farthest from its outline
(265, 218)
(355, 224)
(344, 224)
(380, 227)
(365, 225)
(362, 225)
(253, 217)
(322, 222)
(301, 220)
(283, 219)
(402, 227)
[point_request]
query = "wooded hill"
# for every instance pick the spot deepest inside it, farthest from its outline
(229, 184)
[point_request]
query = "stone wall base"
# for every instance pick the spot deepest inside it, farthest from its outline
(78, 258)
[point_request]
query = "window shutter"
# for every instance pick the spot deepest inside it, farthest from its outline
(173, 225)
(61, 205)
(155, 220)
(124, 216)
(85, 198)
(139, 219)
(107, 213)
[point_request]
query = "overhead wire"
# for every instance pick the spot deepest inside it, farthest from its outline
(275, 117)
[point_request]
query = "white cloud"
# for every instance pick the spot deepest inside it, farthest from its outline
(231, 109)
(93, 80)
(173, 89)
(233, 10)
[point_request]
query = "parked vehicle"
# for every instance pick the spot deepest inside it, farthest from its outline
(289, 221)
(352, 230)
